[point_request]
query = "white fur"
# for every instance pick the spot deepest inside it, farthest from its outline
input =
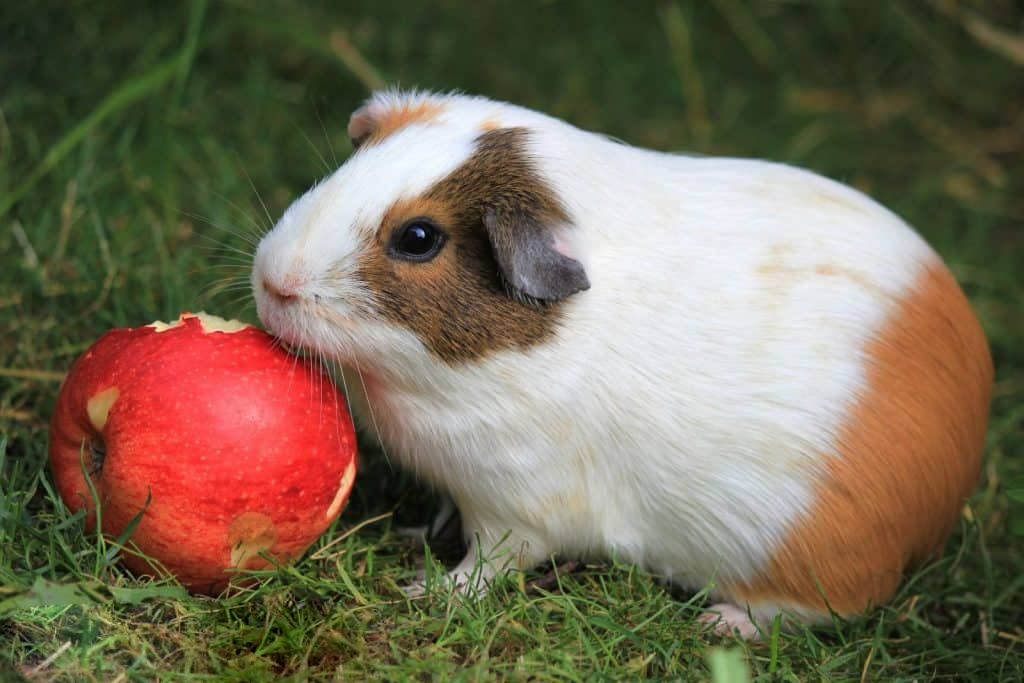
(678, 417)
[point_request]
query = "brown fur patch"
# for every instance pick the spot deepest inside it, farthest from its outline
(908, 458)
(376, 126)
(458, 303)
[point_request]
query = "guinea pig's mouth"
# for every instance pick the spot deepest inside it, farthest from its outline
(285, 325)
(288, 346)
(309, 328)
(302, 346)
(289, 343)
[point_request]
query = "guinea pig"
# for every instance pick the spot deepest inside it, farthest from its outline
(734, 373)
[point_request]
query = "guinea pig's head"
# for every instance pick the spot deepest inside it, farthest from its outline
(439, 240)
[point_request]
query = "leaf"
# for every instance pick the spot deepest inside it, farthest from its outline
(1015, 494)
(133, 596)
(46, 593)
(1017, 526)
(728, 666)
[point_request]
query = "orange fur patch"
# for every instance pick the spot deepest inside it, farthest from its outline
(392, 120)
(908, 457)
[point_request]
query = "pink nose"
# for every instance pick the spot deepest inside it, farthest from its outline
(278, 293)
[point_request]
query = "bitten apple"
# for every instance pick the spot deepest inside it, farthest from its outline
(241, 447)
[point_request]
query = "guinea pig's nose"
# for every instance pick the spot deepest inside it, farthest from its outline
(278, 293)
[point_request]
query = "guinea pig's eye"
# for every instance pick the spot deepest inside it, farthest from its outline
(417, 240)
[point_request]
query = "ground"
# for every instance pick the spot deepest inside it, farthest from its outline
(140, 149)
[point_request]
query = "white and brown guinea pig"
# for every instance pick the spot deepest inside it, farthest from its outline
(734, 373)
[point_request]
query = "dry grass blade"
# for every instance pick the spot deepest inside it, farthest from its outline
(742, 21)
(1000, 41)
(353, 59)
(30, 374)
(680, 40)
(43, 665)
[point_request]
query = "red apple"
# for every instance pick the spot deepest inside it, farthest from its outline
(241, 448)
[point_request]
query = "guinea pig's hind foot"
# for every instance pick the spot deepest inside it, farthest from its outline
(726, 619)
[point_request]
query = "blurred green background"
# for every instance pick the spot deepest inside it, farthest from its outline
(142, 145)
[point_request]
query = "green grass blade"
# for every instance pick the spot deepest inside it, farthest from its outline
(123, 537)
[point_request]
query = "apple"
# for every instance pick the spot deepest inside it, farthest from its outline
(240, 448)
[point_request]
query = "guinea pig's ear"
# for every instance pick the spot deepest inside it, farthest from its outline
(388, 112)
(361, 125)
(533, 263)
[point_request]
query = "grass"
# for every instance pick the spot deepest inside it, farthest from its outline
(139, 147)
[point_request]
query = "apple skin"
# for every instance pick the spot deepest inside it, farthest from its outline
(243, 447)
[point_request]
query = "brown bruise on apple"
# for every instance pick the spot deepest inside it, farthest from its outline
(98, 407)
(209, 323)
(250, 534)
(343, 488)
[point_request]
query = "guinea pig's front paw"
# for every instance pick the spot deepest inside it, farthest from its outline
(469, 578)
(725, 619)
(416, 589)
(464, 583)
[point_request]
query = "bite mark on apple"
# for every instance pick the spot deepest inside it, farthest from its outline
(343, 488)
(214, 323)
(161, 326)
(98, 407)
(209, 323)
(250, 534)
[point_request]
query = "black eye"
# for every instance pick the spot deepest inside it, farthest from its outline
(418, 240)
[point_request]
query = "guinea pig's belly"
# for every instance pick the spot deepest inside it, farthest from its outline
(685, 499)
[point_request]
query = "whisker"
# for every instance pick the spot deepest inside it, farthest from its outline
(327, 137)
(258, 230)
(324, 378)
(237, 232)
(238, 292)
(334, 381)
(235, 301)
(270, 221)
(315, 150)
(228, 262)
(234, 274)
(229, 281)
(242, 268)
(219, 246)
(373, 416)
(220, 289)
